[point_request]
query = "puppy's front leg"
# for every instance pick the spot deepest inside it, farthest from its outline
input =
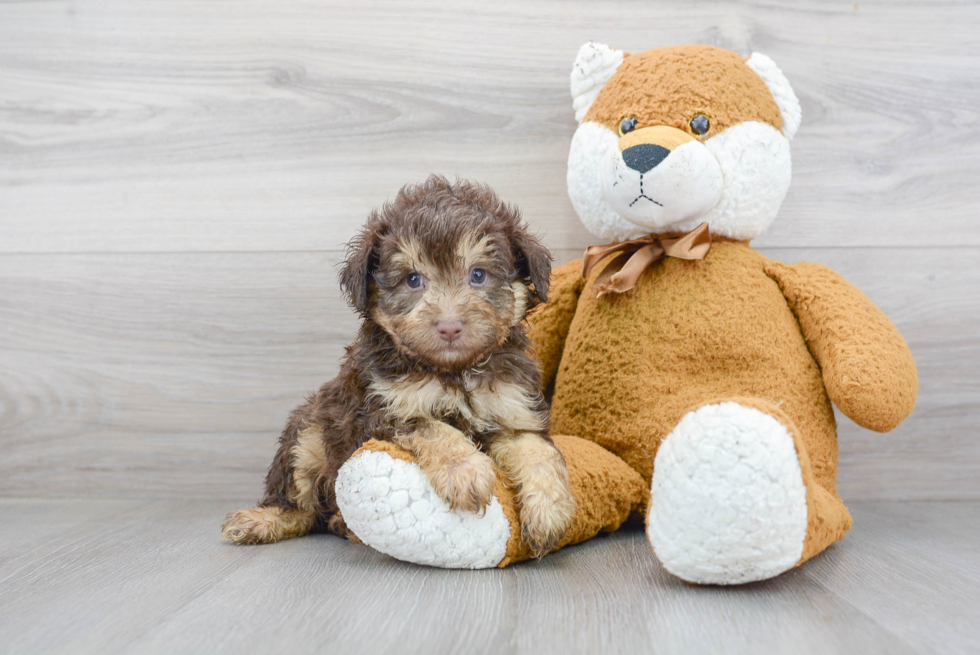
(537, 469)
(462, 475)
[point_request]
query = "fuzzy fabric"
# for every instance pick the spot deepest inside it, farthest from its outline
(389, 504)
(738, 194)
(713, 379)
(706, 523)
(782, 92)
(633, 365)
(867, 367)
(594, 65)
(668, 86)
(629, 370)
(734, 176)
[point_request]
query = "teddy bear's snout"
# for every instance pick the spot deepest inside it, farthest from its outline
(645, 156)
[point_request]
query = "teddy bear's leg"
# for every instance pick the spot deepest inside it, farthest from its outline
(388, 503)
(733, 498)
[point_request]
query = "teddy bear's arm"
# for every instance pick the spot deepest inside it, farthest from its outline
(867, 366)
(550, 322)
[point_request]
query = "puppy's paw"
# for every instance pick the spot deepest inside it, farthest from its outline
(465, 484)
(546, 515)
(246, 526)
(265, 525)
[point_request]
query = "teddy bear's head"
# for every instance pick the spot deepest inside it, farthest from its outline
(674, 137)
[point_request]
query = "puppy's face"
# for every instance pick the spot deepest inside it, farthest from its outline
(448, 271)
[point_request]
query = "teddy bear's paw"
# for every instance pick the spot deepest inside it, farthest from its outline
(728, 501)
(390, 505)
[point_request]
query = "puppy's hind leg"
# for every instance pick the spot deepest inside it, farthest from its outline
(265, 524)
(296, 485)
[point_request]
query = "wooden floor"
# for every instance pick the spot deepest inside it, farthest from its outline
(153, 577)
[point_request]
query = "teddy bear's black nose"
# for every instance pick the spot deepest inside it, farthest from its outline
(645, 156)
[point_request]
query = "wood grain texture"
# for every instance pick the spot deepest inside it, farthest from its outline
(177, 180)
(153, 577)
(236, 125)
(171, 374)
(926, 557)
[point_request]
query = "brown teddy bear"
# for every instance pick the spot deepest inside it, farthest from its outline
(695, 375)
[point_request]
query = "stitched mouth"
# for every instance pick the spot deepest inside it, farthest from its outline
(643, 196)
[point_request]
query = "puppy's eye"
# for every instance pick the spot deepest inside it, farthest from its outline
(627, 125)
(478, 277)
(700, 125)
(414, 280)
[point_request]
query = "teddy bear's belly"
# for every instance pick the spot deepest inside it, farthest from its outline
(689, 333)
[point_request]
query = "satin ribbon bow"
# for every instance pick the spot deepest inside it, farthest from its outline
(622, 273)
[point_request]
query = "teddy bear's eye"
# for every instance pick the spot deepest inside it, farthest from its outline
(700, 124)
(627, 125)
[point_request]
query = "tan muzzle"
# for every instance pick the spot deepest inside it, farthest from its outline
(646, 147)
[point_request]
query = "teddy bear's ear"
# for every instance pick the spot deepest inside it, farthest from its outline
(593, 67)
(786, 100)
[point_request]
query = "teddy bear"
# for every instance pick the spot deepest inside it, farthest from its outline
(691, 378)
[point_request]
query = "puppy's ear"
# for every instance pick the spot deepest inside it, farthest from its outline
(532, 260)
(362, 258)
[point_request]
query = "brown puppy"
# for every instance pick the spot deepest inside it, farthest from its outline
(443, 277)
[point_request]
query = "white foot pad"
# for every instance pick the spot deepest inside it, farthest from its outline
(390, 505)
(728, 503)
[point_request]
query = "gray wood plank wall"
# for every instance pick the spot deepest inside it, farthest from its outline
(177, 181)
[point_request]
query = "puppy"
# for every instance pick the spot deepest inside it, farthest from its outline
(443, 278)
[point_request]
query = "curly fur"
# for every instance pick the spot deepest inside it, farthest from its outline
(400, 381)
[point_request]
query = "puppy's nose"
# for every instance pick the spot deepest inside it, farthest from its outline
(645, 156)
(449, 329)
